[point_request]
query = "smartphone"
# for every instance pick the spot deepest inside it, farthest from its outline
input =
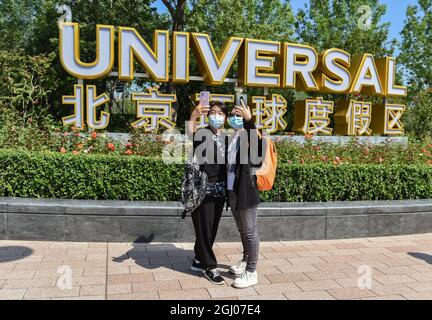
(241, 98)
(204, 98)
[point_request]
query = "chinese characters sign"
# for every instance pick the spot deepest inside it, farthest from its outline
(261, 63)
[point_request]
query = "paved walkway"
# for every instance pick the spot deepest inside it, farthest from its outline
(400, 267)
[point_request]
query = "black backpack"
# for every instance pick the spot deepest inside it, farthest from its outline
(194, 186)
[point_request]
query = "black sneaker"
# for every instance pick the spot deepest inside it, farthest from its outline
(197, 266)
(213, 276)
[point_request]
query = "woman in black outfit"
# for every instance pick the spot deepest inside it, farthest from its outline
(209, 146)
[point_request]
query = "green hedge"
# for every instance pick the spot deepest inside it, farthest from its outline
(56, 175)
(350, 182)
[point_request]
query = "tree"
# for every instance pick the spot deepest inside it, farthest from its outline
(352, 25)
(176, 8)
(416, 47)
(418, 118)
(16, 22)
(27, 84)
(131, 13)
(258, 19)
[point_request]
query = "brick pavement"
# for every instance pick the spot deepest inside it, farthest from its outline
(400, 268)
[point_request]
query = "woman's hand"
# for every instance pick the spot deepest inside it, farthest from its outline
(196, 113)
(200, 111)
(243, 111)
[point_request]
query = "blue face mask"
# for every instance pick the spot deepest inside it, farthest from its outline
(216, 121)
(236, 122)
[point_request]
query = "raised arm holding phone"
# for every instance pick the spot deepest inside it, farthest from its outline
(233, 178)
(202, 109)
(207, 216)
(243, 192)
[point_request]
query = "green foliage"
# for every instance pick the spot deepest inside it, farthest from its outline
(416, 58)
(17, 22)
(352, 25)
(350, 182)
(55, 175)
(418, 118)
(416, 47)
(27, 82)
(33, 78)
(259, 19)
(132, 13)
(354, 152)
(33, 135)
(344, 24)
(44, 134)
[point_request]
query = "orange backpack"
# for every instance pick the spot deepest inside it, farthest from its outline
(267, 173)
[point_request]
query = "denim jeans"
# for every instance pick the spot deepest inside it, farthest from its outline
(246, 221)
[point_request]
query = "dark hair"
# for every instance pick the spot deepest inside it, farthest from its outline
(221, 105)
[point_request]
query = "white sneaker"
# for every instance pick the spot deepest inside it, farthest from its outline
(247, 279)
(239, 268)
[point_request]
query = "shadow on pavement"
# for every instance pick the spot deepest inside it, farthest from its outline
(13, 253)
(422, 256)
(165, 255)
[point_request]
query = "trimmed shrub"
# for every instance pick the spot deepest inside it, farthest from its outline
(350, 182)
(115, 177)
(56, 175)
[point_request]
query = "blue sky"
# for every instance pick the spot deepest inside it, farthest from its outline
(396, 10)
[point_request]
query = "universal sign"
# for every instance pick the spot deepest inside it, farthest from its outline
(262, 63)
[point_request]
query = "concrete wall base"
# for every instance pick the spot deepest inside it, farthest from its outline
(118, 221)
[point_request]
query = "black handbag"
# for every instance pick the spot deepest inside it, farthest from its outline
(194, 187)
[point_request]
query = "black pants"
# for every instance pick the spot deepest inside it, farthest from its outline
(206, 220)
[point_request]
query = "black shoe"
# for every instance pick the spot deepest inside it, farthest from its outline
(213, 276)
(197, 266)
